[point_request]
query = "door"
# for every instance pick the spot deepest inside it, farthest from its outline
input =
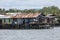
(0, 21)
(0, 24)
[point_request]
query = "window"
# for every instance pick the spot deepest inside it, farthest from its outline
(7, 20)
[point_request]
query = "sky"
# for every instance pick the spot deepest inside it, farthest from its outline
(28, 4)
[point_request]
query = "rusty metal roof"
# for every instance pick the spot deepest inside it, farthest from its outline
(26, 15)
(21, 15)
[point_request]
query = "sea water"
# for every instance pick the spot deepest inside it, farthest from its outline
(31, 34)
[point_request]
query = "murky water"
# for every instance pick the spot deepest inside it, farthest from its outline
(43, 34)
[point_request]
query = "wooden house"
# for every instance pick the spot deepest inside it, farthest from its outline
(24, 20)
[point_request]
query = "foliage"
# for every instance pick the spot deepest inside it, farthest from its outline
(51, 10)
(45, 10)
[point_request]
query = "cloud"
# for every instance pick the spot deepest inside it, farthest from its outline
(27, 4)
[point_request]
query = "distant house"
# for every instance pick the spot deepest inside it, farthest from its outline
(23, 18)
(52, 18)
(26, 18)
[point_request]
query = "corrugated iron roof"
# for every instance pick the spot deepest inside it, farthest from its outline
(21, 15)
(25, 15)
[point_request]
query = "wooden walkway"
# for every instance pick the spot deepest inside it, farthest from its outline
(25, 26)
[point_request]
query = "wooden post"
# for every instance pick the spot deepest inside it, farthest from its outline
(18, 23)
(3, 23)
